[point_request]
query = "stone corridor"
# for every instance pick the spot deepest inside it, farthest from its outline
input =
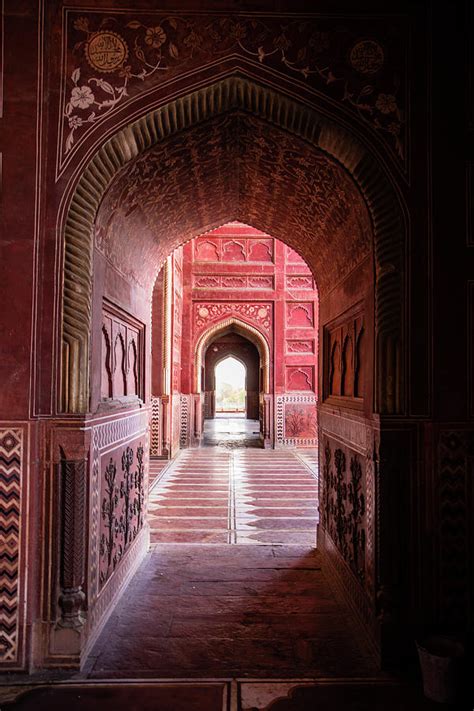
(236, 495)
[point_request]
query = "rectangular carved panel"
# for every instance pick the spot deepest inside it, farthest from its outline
(299, 281)
(300, 314)
(109, 440)
(235, 249)
(122, 508)
(299, 378)
(344, 356)
(229, 281)
(300, 346)
(259, 314)
(155, 427)
(122, 354)
(343, 508)
(454, 510)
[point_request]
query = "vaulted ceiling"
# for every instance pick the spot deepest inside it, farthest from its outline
(234, 166)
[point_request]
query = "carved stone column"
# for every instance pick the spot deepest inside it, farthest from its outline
(67, 637)
(73, 498)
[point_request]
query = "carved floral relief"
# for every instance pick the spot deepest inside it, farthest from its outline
(343, 510)
(225, 281)
(113, 57)
(258, 314)
(122, 505)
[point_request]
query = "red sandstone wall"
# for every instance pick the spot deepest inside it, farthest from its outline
(238, 271)
(433, 177)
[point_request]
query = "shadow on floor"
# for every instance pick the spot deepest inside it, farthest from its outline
(230, 612)
(219, 696)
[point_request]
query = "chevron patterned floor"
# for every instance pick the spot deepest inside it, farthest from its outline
(238, 496)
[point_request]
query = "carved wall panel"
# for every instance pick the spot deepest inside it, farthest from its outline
(110, 441)
(122, 354)
(366, 75)
(302, 281)
(300, 346)
(122, 508)
(175, 423)
(299, 377)
(296, 421)
(11, 466)
(343, 503)
(238, 281)
(257, 313)
(301, 421)
(344, 356)
(238, 249)
(184, 433)
(300, 314)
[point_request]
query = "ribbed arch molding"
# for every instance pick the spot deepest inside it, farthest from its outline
(233, 93)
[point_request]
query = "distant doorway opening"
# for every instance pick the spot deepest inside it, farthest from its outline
(231, 387)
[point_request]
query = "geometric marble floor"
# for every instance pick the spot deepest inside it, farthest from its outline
(237, 496)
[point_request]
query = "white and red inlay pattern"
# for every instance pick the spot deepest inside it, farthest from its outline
(11, 447)
(242, 496)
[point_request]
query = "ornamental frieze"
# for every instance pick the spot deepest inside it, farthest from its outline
(111, 58)
(207, 313)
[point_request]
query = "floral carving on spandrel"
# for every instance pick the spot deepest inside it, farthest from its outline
(327, 56)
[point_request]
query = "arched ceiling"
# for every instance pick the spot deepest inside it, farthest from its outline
(234, 166)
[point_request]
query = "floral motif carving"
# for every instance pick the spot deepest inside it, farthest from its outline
(293, 346)
(257, 313)
(206, 281)
(299, 282)
(296, 405)
(158, 46)
(122, 509)
(343, 507)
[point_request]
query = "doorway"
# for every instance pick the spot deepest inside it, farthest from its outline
(230, 377)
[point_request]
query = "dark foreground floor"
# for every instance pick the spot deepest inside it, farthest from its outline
(230, 611)
(226, 628)
(234, 695)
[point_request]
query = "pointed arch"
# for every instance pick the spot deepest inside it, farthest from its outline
(235, 93)
(244, 329)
